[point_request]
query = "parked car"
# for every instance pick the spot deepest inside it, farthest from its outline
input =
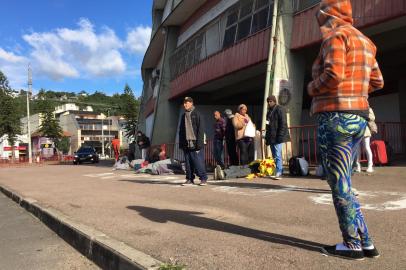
(86, 154)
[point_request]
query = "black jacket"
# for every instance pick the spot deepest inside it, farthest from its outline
(277, 127)
(143, 141)
(230, 131)
(198, 129)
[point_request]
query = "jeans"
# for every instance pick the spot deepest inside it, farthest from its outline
(277, 156)
(195, 165)
(218, 152)
(247, 150)
(339, 135)
(232, 152)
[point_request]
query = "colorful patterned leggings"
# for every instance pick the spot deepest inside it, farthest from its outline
(339, 135)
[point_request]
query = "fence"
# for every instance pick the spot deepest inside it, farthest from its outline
(304, 143)
(36, 161)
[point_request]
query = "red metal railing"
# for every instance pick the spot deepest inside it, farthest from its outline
(304, 143)
(23, 161)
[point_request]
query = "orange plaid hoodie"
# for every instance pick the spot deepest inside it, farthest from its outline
(346, 70)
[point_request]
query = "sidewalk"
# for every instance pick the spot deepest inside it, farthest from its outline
(26, 244)
(234, 224)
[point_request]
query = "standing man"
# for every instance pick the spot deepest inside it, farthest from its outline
(191, 141)
(115, 143)
(230, 138)
(277, 132)
(143, 144)
(219, 132)
(343, 74)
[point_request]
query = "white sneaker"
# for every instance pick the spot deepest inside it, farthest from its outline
(358, 169)
(370, 170)
(277, 176)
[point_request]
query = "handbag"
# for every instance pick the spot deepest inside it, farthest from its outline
(250, 130)
(373, 127)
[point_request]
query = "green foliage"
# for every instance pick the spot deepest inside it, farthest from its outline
(172, 265)
(129, 109)
(9, 117)
(63, 145)
(50, 127)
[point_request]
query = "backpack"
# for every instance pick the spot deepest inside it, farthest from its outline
(298, 166)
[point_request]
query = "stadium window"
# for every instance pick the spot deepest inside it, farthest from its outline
(244, 27)
(229, 36)
(259, 20)
(270, 16)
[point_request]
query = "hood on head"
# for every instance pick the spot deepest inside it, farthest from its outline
(334, 13)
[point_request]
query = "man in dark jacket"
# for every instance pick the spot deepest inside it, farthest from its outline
(143, 144)
(277, 132)
(219, 130)
(191, 141)
(230, 138)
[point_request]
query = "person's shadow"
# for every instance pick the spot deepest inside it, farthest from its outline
(195, 220)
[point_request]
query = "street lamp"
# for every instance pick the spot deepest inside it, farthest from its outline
(28, 113)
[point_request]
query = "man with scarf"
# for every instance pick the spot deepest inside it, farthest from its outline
(191, 141)
(344, 73)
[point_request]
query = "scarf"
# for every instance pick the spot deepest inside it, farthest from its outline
(190, 134)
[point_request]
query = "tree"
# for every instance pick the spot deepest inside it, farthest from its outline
(9, 115)
(63, 145)
(129, 108)
(50, 127)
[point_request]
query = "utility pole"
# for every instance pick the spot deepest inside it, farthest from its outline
(102, 136)
(271, 62)
(28, 113)
(108, 118)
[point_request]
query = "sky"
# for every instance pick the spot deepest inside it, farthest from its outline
(75, 45)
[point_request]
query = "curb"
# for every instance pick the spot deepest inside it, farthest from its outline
(104, 251)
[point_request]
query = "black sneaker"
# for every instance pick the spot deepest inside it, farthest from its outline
(188, 183)
(357, 255)
(371, 253)
(203, 183)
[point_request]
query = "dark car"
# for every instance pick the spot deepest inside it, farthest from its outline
(86, 154)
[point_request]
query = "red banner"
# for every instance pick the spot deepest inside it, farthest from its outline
(9, 148)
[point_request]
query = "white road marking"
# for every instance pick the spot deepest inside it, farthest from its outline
(97, 174)
(398, 202)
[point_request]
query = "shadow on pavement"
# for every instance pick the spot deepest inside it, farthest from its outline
(151, 181)
(195, 220)
(102, 164)
(271, 186)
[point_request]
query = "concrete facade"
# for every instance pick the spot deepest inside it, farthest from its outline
(201, 31)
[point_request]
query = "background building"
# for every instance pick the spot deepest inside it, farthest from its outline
(83, 127)
(216, 51)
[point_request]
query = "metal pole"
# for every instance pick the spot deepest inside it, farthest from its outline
(102, 137)
(28, 113)
(270, 65)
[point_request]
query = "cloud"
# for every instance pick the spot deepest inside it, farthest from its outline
(14, 67)
(81, 52)
(73, 53)
(10, 57)
(138, 39)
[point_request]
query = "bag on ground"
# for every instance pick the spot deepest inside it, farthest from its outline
(298, 166)
(379, 155)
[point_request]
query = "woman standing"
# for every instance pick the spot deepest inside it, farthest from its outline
(370, 129)
(245, 142)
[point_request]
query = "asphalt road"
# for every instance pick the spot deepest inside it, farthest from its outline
(227, 225)
(25, 243)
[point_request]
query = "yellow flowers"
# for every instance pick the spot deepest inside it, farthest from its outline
(262, 168)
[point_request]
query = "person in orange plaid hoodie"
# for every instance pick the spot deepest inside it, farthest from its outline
(344, 73)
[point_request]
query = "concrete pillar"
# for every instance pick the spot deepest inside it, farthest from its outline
(402, 100)
(289, 73)
(167, 112)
